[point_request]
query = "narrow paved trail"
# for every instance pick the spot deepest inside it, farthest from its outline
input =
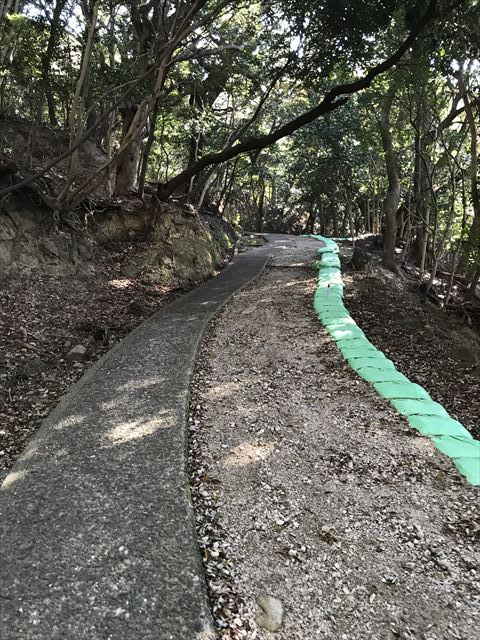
(97, 538)
(327, 500)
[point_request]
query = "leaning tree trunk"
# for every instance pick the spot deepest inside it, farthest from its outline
(393, 193)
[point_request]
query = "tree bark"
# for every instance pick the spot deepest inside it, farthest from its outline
(393, 193)
(127, 167)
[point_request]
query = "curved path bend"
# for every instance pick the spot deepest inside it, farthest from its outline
(97, 537)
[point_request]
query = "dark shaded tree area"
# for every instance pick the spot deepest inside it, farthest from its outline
(337, 117)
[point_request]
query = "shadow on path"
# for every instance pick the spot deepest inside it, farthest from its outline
(96, 524)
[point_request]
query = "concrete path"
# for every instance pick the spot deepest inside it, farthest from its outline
(97, 537)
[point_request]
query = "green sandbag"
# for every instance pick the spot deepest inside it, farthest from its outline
(438, 426)
(365, 350)
(330, 284)
(326, 290)
(347, 332)
(428, 417)
(458, 446)
(327, 293)
(340, 323)
(329, 276)
(333, 292)
(327, 272)
(331, 316)
(327, 249)
(395, 390)
(351, 342)
(330, 258)
(336, 325)
(470, 468)
(329, 306)
(356, 346)
(330, 262)
(382, 375)
(322, 307)
(357, 364)
(419, 407)
(326, 275)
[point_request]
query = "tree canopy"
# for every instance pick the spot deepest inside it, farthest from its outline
(284, 114)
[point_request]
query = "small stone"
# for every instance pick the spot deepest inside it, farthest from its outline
(271, 616)
(77, 354)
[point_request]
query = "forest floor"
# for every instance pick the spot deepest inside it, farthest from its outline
(320, 512)
(43, 316)
(433, 348)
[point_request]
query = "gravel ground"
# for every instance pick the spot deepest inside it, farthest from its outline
(311, 491)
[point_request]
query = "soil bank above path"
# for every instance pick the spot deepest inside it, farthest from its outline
(327, 500)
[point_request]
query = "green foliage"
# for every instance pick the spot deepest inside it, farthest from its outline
(252, 68)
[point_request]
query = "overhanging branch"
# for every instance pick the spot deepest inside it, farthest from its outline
(332, 100)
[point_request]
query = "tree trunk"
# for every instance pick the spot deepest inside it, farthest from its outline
(312, 216)
(393, 193)
(474, 234)
(127, 167)
(46, 63)
(148, 146)
(260, 211)
(420, 180)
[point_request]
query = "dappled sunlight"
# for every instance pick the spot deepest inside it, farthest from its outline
(136, 429)
(120, 283)
(72, 420)
(224, 389)
(29, 452)
(12, 478)
(248, 453)
(136, 385)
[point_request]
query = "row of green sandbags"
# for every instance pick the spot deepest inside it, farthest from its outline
(411, 400)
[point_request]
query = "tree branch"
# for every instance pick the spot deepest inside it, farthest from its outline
(330, 102)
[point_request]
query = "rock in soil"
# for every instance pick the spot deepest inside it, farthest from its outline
(271, 616)
(77, 354)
